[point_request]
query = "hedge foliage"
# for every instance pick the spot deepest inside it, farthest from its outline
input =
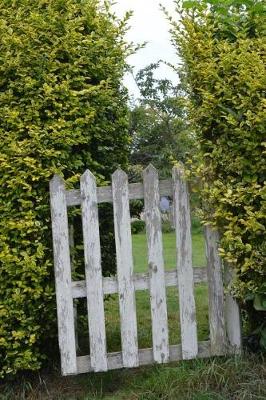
(63, 109)
(222, 46)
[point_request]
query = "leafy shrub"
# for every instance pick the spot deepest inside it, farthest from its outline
(222, 45)
(167, 227)
(137, 226)
(196, 225)
(62, 110)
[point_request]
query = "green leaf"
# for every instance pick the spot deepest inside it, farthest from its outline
(260, 302)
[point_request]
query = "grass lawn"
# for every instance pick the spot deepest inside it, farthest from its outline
(143, 301)
(140, 250)
(232, 378)
(144, 318)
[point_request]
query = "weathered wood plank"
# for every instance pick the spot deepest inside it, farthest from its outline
(141, 282)
(104, 194)
(216, 293)
(124, 257)
(156, 266)
(72, 263)
(184, 266)
(232, 316)
(93, 272)
(65, 312)
(145, 357)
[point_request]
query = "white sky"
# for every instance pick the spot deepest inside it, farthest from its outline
(148, 24)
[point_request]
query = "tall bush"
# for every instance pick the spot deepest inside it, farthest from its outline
(158, 123)
(222, 46)
(63, 109)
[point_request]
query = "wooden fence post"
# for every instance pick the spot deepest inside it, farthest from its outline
(65, 312)
(156, 265)
(124, 259)
(93, 271)
(216, 293)
(184, 266)
(232, 315)
(72, 261)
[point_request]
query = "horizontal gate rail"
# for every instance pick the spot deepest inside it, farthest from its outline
(115, 361)
(141, 282)
(104, 194)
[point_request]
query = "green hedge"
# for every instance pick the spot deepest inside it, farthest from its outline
(222, 46)
(137, 226)
(63, 109)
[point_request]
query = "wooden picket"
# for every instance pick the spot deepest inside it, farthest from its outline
(92, 255)
(156, 265)
(124, 259)
(225, 329)
(216, 295)
(184, 266)
(65, 309)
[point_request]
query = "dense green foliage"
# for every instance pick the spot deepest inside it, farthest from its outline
(222, 45)
(137, 226)
(62, 110)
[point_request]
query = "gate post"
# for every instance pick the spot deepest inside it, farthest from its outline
(232, 315)
(216, 293)
(65, 311)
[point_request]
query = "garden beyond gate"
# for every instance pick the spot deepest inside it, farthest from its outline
(225, 332)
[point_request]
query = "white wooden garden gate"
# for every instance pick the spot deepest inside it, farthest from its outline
(225, 335)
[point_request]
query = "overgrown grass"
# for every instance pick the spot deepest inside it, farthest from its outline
(214, 379)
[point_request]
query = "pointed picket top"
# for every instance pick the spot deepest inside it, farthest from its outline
(120, 177)
(179, 171)
(56, 181)
(119, 173)
(151, 187)
(88, 176)
(150, 170)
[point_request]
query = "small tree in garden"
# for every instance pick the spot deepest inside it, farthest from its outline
(222, 46)
(63, 110)
(158, 125)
